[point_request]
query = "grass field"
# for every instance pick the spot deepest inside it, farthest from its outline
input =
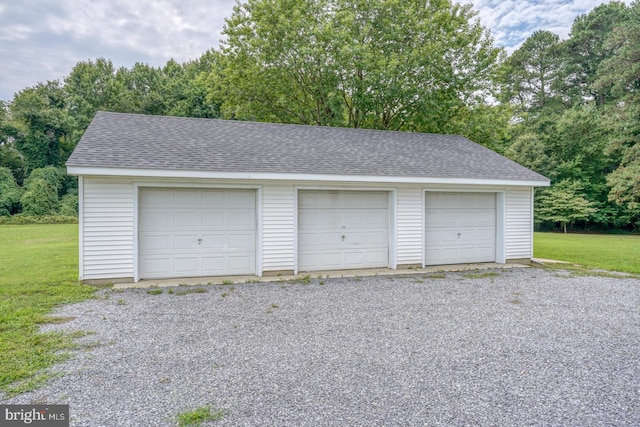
(38, 271)
(605, 251)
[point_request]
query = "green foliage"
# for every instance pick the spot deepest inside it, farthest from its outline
(69, 204)
(565, 203)
(41, 125)
(38, 272)
(53, 176)
(532, 73)
(198, 416)
(11, 158)
(90, 87)
(587, 48)
(609, 252)
(22, 219)
(10, 193)
(625, 180)
(380, 65)
(40, 198)
(528, 150)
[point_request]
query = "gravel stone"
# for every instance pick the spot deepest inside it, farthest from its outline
(524, 347)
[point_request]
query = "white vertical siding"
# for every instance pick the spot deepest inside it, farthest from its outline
(278, 225)
(107, 227)
(518, 237)
(409, 225)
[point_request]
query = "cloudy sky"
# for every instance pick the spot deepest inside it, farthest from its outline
(42, 40)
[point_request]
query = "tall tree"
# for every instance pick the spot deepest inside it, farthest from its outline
(622, 73)
(532, 74)
(89, 87)
(188, 86)
(384, 64)
(586, 48)
(40, 125)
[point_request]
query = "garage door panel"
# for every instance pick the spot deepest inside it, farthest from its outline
(241, 242)
(329, 239)
(376, 238)
(213, 219)
(330, 219)
(306, 240)
(195, 232)
(486, 201)
(378, 218)
(155, 243)
(213, 265)
(352, 220)
(185, 219)
(484, 217)
(444, 200)
(377, 257)
(154, 220)
(441, 218)
(444, 255)
(324, 217)
(214, 200)
(185, 264)
(154, 198)
(160, 266)
(214, 241)
(355, 258)
(244, 219)
(438, 237)
(354, 238)
(311, 220)
(240, 263)
(307, 199)
(185, 241)
(460, 228)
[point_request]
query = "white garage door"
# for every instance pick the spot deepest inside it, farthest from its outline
(196, 232)
(460, 228)
(342, 230)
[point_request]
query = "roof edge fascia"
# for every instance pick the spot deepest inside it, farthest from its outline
(168, 173)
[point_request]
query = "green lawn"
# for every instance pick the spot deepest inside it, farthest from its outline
(606, 251)
(38, 271)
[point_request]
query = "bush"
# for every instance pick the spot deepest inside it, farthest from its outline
(69, 204)
(10, 193)
(40, 198)
(52, 175)
(22, 219)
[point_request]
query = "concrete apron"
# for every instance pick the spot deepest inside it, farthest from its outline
(220, 280)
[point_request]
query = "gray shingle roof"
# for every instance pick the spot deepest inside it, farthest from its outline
(116, 140)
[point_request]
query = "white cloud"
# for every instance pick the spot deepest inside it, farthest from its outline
(43, 39)
(511, 22)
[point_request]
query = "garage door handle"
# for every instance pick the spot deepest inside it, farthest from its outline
(343, 237)
(199, 241)
(459, 234)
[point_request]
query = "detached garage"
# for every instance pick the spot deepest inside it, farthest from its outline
(169, 197)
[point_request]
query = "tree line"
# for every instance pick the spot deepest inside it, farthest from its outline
(568, 109)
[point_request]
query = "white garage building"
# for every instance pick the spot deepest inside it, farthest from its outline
(168, 197)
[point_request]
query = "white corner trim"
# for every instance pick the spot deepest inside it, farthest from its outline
(80, 228)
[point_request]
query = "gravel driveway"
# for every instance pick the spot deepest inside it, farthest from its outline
(510, 347)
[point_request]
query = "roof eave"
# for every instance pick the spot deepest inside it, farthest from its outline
(261, 176)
